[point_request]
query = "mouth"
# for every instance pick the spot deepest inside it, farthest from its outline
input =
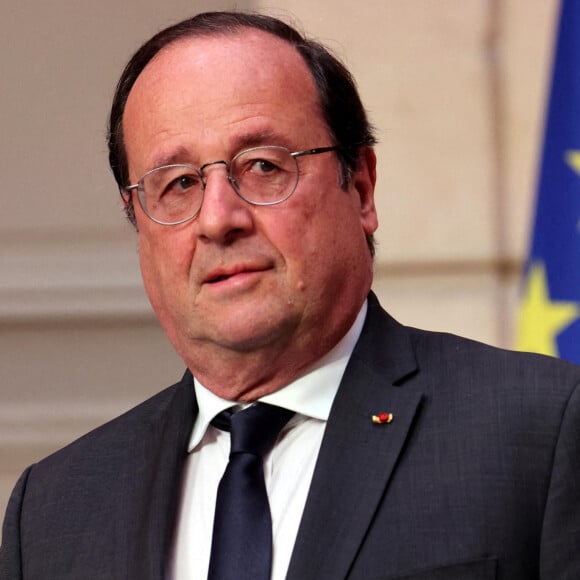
(219, 278)
(223, 275)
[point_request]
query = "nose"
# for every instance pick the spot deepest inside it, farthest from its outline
(224, 215)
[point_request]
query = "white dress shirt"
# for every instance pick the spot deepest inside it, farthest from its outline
(288, 468)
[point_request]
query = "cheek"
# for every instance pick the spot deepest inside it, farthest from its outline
(165, 259)
(150, 271)
(335, 237)
(307, 242)
(306, 226)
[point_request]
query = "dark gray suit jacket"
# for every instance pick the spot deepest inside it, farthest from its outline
(477, 476)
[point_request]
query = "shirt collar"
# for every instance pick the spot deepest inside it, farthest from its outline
(310, 395)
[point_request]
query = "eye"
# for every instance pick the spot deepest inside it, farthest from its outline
(180, 184)
(185, 182)
(262, 166)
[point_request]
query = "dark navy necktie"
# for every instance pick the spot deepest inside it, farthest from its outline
(242, 532)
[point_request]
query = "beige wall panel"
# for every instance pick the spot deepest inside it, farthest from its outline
(463, 304)
(78, 358)
(526, 43)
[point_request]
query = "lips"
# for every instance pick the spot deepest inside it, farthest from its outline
(218, 278)
(221, 274)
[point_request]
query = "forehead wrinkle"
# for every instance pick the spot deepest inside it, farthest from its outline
(251, 139)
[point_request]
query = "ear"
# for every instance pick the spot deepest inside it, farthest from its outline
(125, 197)
(128, 206)
(363, 183)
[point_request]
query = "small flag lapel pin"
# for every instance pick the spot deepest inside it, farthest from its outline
(383, 418)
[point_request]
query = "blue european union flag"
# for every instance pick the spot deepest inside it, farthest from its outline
(550, 310)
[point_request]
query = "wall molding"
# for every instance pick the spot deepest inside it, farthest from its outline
(31, 431)
(54, 281)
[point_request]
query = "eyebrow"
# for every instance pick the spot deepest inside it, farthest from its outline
(182, 154)
(178, 155)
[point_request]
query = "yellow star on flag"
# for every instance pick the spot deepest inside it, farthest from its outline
(540, 319)
(573, 160)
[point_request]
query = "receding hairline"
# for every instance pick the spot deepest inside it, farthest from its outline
(240, 30)
(240, 33)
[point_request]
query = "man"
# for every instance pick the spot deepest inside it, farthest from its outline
(245, 159)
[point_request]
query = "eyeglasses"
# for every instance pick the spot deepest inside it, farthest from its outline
(173, 194)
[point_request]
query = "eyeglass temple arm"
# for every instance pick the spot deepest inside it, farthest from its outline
(125, 191)
(315, 151)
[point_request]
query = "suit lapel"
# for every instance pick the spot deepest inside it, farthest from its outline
(153, 495)
(357, 457)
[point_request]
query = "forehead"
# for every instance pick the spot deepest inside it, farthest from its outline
(221, 87)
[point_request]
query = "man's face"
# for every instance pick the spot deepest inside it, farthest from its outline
(280, 282)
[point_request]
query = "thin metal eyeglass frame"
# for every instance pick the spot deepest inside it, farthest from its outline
(294, 154)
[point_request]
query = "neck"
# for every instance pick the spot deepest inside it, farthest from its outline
(248, 376)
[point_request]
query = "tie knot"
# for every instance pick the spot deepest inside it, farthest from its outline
(255, 429)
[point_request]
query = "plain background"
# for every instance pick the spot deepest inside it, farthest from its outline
(456, 89)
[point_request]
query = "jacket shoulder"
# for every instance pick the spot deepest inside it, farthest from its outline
(464, 353)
